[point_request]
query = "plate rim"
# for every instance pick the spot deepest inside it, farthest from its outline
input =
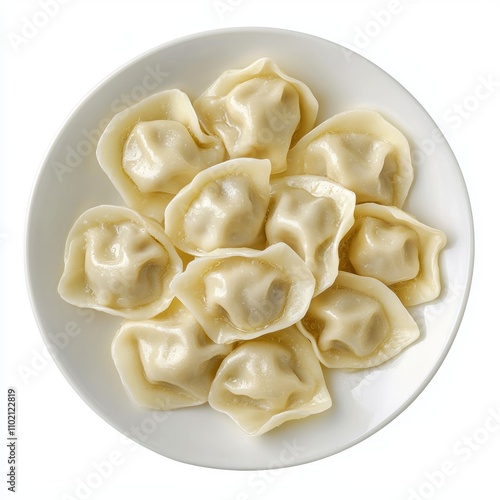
(28, 245)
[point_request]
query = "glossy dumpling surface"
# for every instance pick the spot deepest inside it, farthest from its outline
(243, 294)
(357, 323)
(270, 380)
(152, 149)
(119, 262)
(311, 214)
(167, 362)
(360, 150)
(393, 246)
(258, 111)
(225, 206)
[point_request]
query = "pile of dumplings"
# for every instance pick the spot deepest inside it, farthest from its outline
(256, 251)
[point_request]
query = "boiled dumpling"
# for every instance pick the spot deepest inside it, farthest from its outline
(242, 294)
(119, 262)
(270, 380)
(152, 149)
(360, 150)
(224, 206)
(391, 245)
(258, 112)
(167, 362)
(311, 214)
(357, 323)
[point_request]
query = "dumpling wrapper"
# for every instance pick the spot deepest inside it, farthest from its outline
(357, 323)
(360, 150)
(311, 214)
(241, 294)
(391, 245)
(270, 380)
(152, 149)
(119, 262)
(167, 362)
(258, 111)
(225, 206)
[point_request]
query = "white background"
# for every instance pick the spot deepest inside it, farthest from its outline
(440, 51)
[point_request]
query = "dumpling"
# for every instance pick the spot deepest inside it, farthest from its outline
(258, 111)
(393, 246)
(242, 294)
(360, 150)
(167, 362)
(311, 214)
(119, 262)
(357, 323)
(152, 149)
(224, 206)
(270, 380)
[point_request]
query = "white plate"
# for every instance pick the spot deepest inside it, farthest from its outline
(71, 181)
